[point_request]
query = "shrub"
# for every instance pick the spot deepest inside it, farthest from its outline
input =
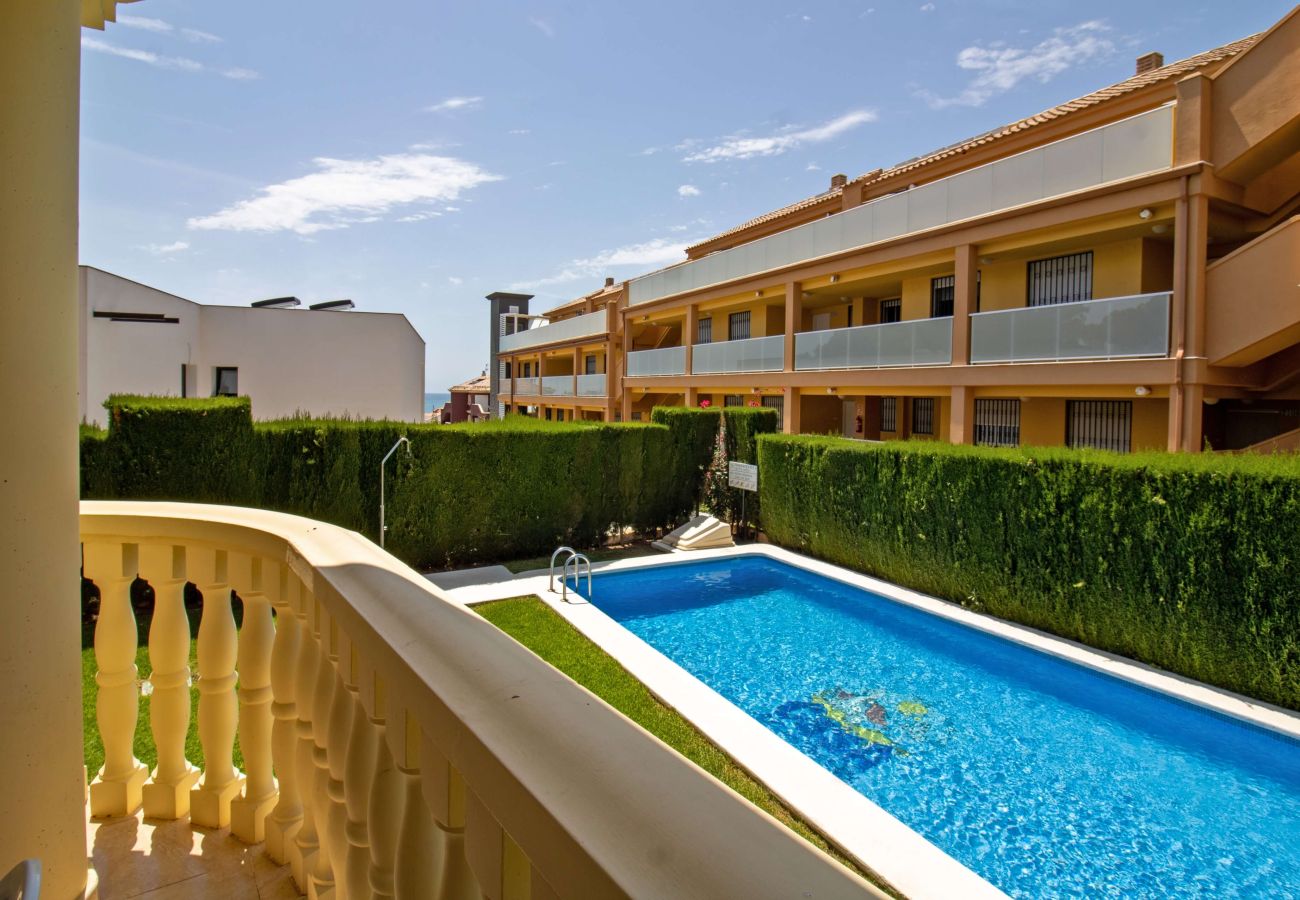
(693, 435)
(1187, 563)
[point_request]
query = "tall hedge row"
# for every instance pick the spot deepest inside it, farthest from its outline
(1188, 563)
(462, 494)
(694, 434)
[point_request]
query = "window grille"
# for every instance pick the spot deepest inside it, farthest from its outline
(777, 403)
(997, 423)
(704, 331)
(1100, 424)
(889, 414)
(733, 400)
(1061, 279)
(942, 290)
(922, 415)
(738, 326)
(891, 310)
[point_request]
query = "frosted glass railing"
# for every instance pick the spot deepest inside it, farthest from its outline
(528, 386)
(1133, 146)
(591, 385)
(557, 386)
(923, 342)
(764, 354)
(590, 325)
(1116, 328)
(663, 361)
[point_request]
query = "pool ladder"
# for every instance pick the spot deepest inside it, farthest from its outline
(577, 561)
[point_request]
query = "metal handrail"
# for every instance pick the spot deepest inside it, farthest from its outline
(577, 559)
(550, 585)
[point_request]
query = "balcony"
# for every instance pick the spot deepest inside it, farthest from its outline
(395, 743)
(924, 342)
(663, 361)
(528, 387)
(1115, 328)
(762, 354)
(594, 324)
(557, 385)
(1124, 149)
(592, 385)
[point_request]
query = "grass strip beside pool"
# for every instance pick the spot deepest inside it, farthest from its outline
(536, 626)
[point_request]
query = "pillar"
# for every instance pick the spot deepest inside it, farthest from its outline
(689, 330)
(961, 415)
(963, 302)
(790, 411)
(42, 792)
(793, 320)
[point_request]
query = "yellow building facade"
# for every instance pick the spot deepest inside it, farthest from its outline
(1116, 272)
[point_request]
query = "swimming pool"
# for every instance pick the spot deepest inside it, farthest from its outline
(1044, 777)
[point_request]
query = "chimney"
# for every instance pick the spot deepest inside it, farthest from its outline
(1148, 62)
(838, 181)
(609, 281)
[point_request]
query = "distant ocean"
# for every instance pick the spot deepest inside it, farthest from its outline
(435, 401)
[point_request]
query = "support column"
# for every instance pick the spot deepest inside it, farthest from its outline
(961, 415)
(790, 411)
(689, 330)
(793, 320)
(577, 361)
(964, 302)
(43, 790)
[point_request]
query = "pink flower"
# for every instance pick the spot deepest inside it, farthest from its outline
(706, 403)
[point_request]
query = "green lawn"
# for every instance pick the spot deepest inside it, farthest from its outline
(536, 626)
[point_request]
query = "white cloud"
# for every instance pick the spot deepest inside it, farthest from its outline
(688, 190)
(452, 104)
(166, 249)
(344, 192)
(543, 26)
(1000, 68)
(521, 131)
(452, 279)
(927, 7)
(158, 26)
(650, 254)
(812, 167)
(160, 61)
(741, 147)
(199, 37)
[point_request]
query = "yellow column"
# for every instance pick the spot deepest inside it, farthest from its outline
(961, 415)
(790, 412)
(963, 303)
(42, 792)
(793, 319)
(689, 330)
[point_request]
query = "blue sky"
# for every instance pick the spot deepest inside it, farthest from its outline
(415, 156)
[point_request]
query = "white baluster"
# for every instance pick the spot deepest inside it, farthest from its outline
(306, 844)
(167, 795)
(286, 818)
(357, 783)
(253, 578)
(446, 797)
(340, 732)
(218, 706)
(321, 883)
(387, 805)
(415, 872)
(116, 790)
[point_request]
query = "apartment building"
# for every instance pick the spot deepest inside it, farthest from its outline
(1121, 271)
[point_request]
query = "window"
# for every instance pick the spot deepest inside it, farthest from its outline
(891, 310)
(738, 326)
(942, 290)
(733, 400)
(1061, 279)
(226, 382)
(821, 321)
(849, 311)
(506, 372)
(590, 365)
(1100, 424)
(922, 415)
(889, 414)
(776, 403)
(548, 414)
(997, 423)
(704, 331)
(636, 417)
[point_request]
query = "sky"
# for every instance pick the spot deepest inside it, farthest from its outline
(416, 156)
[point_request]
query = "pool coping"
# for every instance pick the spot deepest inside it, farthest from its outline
(903, 858)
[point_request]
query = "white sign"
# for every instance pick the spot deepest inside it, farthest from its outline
(742, 475)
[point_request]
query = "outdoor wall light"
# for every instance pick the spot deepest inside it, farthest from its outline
(835, 279)
(985, 260)
(1159, 229)
(1142, 390)
(1145, 213)
(758, 293)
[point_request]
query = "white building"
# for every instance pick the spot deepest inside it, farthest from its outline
(321, 361)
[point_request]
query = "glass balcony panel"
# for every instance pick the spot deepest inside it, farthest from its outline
(557, 386)
(808, 347)
(927, 205)
(662, 361)
(1140, 326)
(588, 325)
(1072, 165)
(990, 338)
(1137, 145)
(765, 354)
(927, 342)
(864, 346)
(835, 349)
(778, 250)
(1017, 180)
(1034, 334)
(890, 217)
(591, 385)
(801, 242)
(826, 235)
(1114, 328)
(932, 342)
(857, 225)
(1081, 330)
(527, 386)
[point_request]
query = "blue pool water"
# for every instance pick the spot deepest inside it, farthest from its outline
(1046, 778)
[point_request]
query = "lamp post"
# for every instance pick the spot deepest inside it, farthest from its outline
(383, 528)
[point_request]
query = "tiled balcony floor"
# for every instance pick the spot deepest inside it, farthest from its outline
(157, 860)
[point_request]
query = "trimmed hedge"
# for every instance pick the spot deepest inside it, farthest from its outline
(694, 434)
(464, 494)
(1189, 563)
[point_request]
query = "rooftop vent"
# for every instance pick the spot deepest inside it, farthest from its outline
(838, 181)
(1148, 62)
(334, 304)
(277, 303)
(609, 281)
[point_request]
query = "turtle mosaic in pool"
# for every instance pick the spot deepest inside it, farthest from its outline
(1045, 777)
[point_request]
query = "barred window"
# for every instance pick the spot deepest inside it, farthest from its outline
(775, 402)
(889, 414)
(590, 364)
(942, 290)
(997, 423)
(704, 331)
(922, 415)
(1061, 279)
(738, 326)
(891, 310)
(733, 400)
(1100, 424)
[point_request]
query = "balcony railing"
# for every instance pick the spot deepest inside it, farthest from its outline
(662, 361)
(591, 385)
(923, 342)
(590, 325)
(557, 385)
(528, 387)
(1115, 328)
(763, 354)
(384, 758)
(1123, 149)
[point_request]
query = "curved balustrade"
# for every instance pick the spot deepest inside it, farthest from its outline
(419, 751)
